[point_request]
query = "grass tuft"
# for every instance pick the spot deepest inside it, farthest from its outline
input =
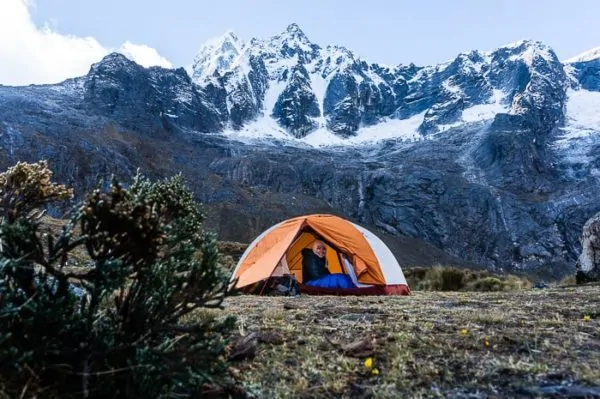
(442, 278)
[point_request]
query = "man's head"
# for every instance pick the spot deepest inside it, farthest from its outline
(319, 248)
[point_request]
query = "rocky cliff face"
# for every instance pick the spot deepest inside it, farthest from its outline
(492, 157)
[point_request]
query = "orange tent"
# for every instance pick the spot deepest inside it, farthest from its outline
(352, 250)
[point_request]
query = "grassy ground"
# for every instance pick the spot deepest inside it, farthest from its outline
(527, 343)
(517, 342)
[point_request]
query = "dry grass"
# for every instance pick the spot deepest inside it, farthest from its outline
(442, 278)
(431, 344)
(569, 280)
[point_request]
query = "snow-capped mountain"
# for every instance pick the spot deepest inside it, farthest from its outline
(492, 157)
(287, 86)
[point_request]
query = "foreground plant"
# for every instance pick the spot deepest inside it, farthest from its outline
(112, 327)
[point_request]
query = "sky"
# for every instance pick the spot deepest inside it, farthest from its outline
(47, 41)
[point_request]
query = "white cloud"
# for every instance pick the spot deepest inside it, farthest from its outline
(144, 55)
(31, 54)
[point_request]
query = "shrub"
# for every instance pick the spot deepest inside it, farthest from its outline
(441, 278)
(513, 282)
(120, 334)
(437, 278)
(486, 284)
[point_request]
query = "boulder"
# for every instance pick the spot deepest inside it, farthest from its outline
(588, 264)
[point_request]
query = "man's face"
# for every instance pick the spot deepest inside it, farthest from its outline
(320, 250)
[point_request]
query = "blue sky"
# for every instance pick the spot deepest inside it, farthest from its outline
(387, 31)
(47, 41)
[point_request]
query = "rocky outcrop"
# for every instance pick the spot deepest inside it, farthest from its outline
(297, 105)
(588, 264)
(147, 99)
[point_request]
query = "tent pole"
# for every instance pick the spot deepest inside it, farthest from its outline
(263, 287)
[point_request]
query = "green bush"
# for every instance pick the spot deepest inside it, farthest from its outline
(113, 328)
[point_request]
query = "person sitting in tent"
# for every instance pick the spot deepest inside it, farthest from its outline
(315, 272)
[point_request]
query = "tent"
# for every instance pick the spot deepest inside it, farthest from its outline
(351, 249)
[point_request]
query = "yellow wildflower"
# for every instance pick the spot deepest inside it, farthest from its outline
(375, 372)
(586, 317)
(369, 362)
(487, 343)
(464, 331)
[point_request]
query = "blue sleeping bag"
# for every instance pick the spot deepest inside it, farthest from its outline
(336, 280)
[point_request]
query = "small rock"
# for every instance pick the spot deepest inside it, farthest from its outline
(290, 306)
(357, 317)
(270, 337)
(360, 348)
(244, 347)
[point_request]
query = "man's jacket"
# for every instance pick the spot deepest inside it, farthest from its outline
(313, 267)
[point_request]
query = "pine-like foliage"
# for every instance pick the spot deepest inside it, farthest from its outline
(120, 325)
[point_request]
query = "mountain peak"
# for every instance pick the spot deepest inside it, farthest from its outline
(521, 43)
(293, 28)
(218, 53)
(529, 51)
(229, 34)
(589, 55)
(524, 45)
(113, 60)
(292, 35)
(229, 37)
(294, 31)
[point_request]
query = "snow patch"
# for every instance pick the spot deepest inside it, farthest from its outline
(266, 127)
(582, 125)
(582, 116)
(481, 112)
(401, 129)
(260, 129)
(589, 55)
(272, 94)
(319, 88)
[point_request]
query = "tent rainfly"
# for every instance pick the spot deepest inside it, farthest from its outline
(351, 249)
